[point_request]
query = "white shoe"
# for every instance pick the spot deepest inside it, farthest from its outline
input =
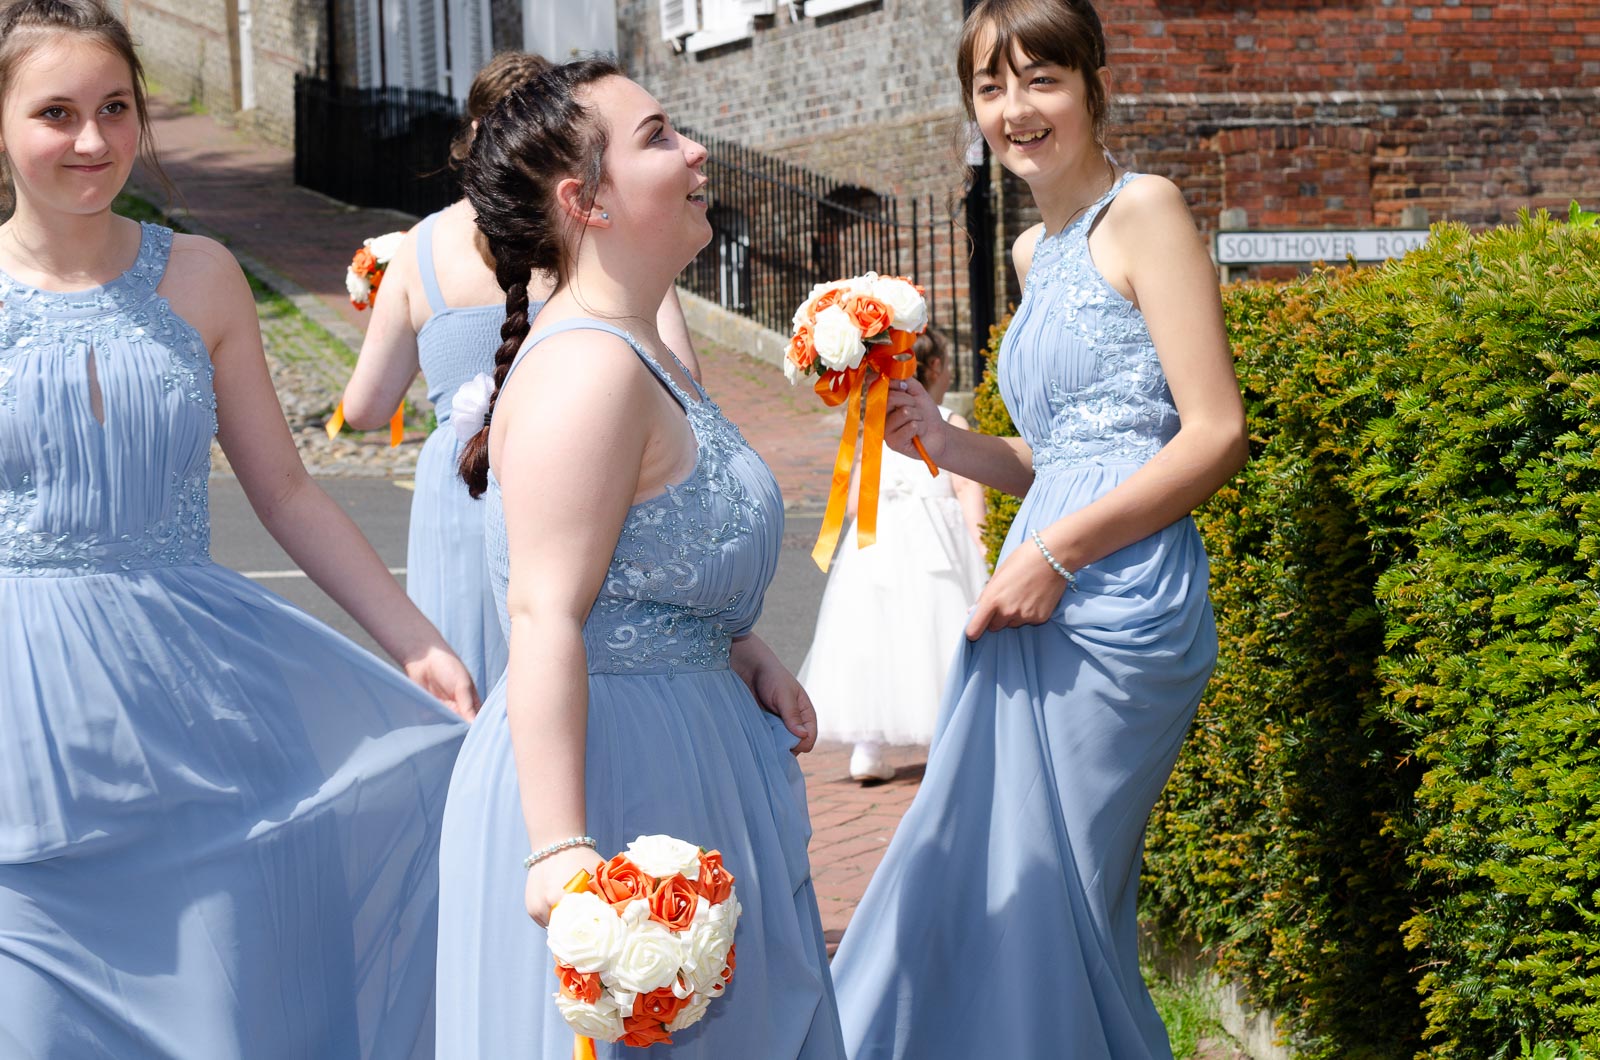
(867, 763)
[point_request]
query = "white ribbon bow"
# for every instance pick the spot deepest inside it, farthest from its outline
(469, 409)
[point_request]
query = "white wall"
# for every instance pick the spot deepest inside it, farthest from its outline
(558, 28)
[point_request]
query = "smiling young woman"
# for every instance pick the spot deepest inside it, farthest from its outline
(633, 533)
(1089, 649)
(218, 818)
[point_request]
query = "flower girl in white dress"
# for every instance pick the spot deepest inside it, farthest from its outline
(892, 612)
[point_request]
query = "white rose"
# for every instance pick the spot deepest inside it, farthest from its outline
(649, 960)
(360, 290)
(585, 933)
(384, 247)
(661, 856)
(601, 1020)
(910, 308)
(837, 339)
(791, 372)
(705, 949)
(690, 1014)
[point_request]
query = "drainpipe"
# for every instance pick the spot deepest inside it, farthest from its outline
(247, 58)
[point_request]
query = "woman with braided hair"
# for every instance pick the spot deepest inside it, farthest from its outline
(441, 313)
(632, 532)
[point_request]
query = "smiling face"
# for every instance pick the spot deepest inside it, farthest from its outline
(654, 189)
(1036, 115)
(69, 125)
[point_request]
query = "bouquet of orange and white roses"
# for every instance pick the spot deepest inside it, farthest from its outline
(366, 269)
(844, 332)
(644, 946)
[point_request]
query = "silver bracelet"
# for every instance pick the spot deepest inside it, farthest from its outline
(555, 848)
(1055, 565)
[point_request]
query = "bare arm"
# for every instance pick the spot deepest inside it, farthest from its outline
(674, 331)
(1152, 244)
(388, 361)
(314, 530)
(568, 472)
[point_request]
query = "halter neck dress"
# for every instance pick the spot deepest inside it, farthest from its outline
(218, 817)
(1003, 918)
(676, 745)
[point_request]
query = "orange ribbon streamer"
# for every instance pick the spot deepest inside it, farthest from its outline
(887, 361)
(397, 424)
(582, 1047)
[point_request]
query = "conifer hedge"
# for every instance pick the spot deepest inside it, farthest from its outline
(1385, 821)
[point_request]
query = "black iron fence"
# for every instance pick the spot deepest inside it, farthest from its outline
(779, 229)
(382, 147)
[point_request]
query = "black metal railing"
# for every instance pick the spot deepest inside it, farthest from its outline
(382, 147)
(779, 229)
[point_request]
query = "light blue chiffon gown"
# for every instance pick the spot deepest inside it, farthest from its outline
(676, 745)
(447, 575)
(218, 818)
(1002, 920)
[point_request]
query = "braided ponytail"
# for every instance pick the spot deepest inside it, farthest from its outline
(534, 138)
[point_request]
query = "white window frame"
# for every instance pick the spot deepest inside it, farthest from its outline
(726, 21)
(813, 8)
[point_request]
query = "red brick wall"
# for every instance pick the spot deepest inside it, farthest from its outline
(1328, 46)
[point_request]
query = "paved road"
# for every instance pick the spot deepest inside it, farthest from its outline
(381, 507)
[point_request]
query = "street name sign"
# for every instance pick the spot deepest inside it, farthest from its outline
(1291, 247)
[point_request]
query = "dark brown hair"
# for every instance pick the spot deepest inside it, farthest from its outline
(931, 346)
(494, 82)
(1065, 32)
(540, 134)
(25, 24)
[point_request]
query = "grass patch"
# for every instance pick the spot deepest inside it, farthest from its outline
(1186, 1011)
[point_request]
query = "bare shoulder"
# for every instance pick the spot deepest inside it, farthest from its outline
(1149, 205)
(200, 257)
(1022, 250)
(595, 372)
(958, 420)
(206, 287)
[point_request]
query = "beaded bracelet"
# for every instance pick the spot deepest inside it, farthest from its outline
(555, 848)
(1055, 565)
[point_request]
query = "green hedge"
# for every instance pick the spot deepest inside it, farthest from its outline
(1384, 823)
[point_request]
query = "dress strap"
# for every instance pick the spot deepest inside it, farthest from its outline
(1092, 215)
(430, 278)
(590, 324)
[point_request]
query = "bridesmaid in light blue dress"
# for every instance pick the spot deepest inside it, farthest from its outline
(632, 533)
(218, 818)
(440, 310)
(1002, 921)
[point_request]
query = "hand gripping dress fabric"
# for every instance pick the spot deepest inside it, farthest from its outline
(1002, 920)
(447, 574)
(218, 817)
(676, 745)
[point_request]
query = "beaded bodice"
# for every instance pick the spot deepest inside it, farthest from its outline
(691, 565)
(455, 343)
(125, 490)
(1078, 371)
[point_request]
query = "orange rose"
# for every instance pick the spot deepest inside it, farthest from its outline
(640, 1031)
(661, 1004)
(801, 353)
(870, 315)
(715, 882)
(364, 264)
(580, 986)
(619, 881)
(825, 300)
(672, 904)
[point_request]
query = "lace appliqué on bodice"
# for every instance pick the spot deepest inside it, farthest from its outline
(40, 332)
(690, 564)
(1121, 411)
(641, 620)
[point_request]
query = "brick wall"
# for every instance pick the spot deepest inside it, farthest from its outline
(189, 48)
(1303, 113)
